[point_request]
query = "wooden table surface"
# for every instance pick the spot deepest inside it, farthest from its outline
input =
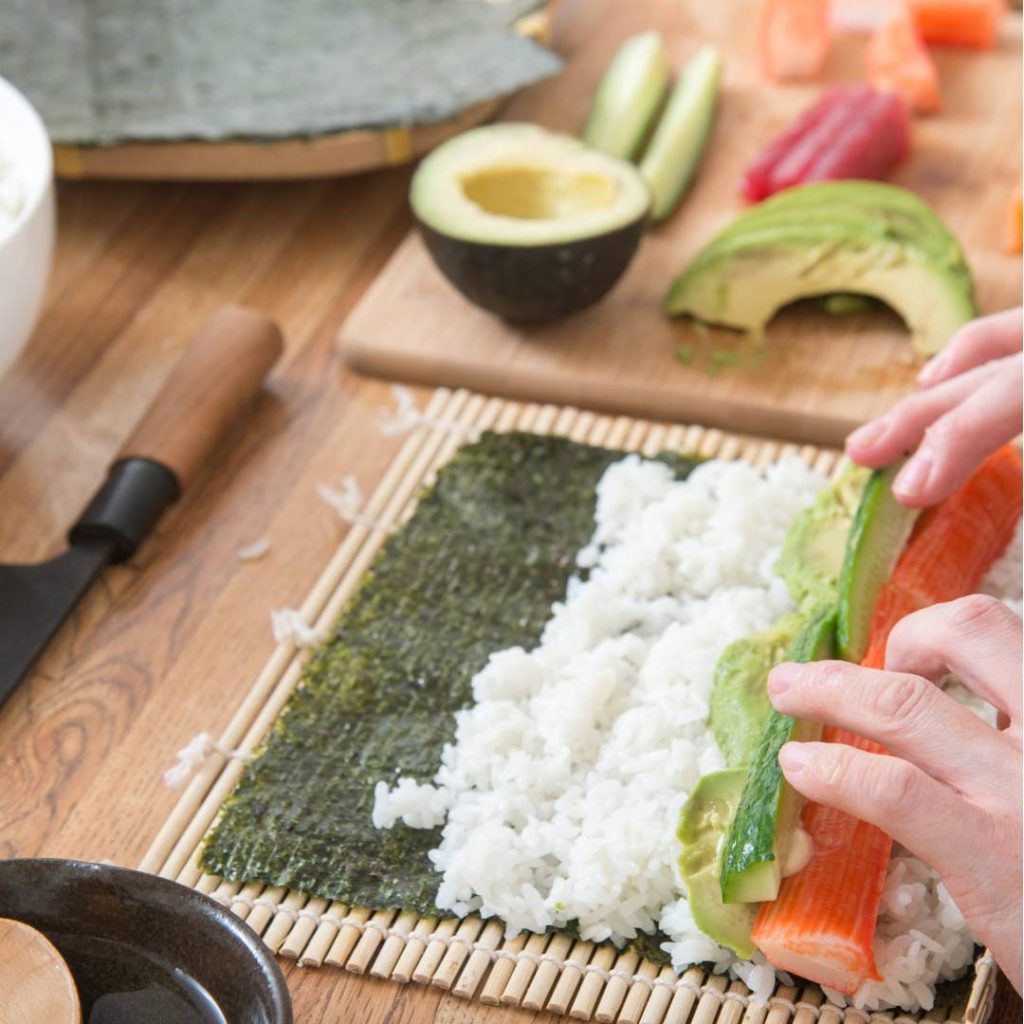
(167, 645)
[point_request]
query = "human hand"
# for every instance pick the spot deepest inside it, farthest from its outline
(969, 405)
(949, 775)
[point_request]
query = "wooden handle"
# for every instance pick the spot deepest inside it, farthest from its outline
(216, 378)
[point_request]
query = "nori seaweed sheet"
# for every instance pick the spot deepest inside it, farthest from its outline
(475, 569)
(106, 71)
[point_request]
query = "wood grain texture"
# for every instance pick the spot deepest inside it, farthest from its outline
(35, 982)
(168, 644)
(815, 378)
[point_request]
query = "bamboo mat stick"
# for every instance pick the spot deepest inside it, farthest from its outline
(242, 904)
(386, 959)
(779, 1013)
(711, 1001)
(413, 951)
(501, 971)
(731, 1011)
(259, 915)
(305, 926)
(638, 995)
(586, 999)
(447, 971)
(435, 951)
(283, 922)
(615, 989)
(476, 967)
(326, 932)
(369, 942)
(661, 995)
(547, 974)
(347, 937)
(685, 996)
(524, 971)
(570, 977)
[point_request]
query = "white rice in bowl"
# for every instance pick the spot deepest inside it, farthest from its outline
(561, 792)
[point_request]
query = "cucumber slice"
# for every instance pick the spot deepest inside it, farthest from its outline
(765, 841)
(703, 824)
(678, 142)
(877, 537)
(628, 96)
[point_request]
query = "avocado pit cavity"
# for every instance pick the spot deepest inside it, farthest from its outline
(538, 193)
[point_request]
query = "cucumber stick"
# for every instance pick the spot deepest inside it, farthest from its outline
(880, 530)
(764, 836)
(629, 96)
(675, 149)
(703, 823)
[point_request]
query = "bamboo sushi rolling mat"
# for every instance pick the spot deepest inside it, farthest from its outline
(470, 957)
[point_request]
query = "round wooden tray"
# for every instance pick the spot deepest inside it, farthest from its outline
(347, 152)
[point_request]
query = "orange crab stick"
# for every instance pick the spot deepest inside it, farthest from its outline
(952, 547)
(822, 924)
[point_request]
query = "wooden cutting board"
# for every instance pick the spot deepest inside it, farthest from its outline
(816, 376)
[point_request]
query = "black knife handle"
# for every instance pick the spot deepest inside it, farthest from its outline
(135, 494)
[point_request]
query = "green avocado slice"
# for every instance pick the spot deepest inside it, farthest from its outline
(703, 824)
(817, 240)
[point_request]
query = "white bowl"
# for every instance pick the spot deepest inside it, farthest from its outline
(26, 242)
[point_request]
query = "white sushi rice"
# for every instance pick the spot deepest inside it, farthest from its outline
(561, 791)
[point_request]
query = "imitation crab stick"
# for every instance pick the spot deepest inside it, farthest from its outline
(952, 547)
(822, 924)
(971, 23)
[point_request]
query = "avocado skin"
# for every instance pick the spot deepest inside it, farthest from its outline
(535, 284)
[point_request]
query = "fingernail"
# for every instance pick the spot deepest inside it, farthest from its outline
(782, 677)
(793, 757)
(933, 369)
(914, 476)
(870, 432)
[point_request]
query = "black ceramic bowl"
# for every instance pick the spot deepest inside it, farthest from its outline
(144, 949)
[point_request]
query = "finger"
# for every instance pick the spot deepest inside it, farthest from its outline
(905, 713)
(885, 439)
(977, 639)
(957, 442)
(990, 337)
(888, 792)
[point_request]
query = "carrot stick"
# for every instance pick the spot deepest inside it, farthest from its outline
(822, 924)
(970, 23)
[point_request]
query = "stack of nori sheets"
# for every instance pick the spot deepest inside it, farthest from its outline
(108, 71)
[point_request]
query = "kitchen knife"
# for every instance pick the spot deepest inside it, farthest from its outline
(216, 378)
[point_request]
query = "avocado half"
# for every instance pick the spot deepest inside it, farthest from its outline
(527, 223)
(852, 237)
